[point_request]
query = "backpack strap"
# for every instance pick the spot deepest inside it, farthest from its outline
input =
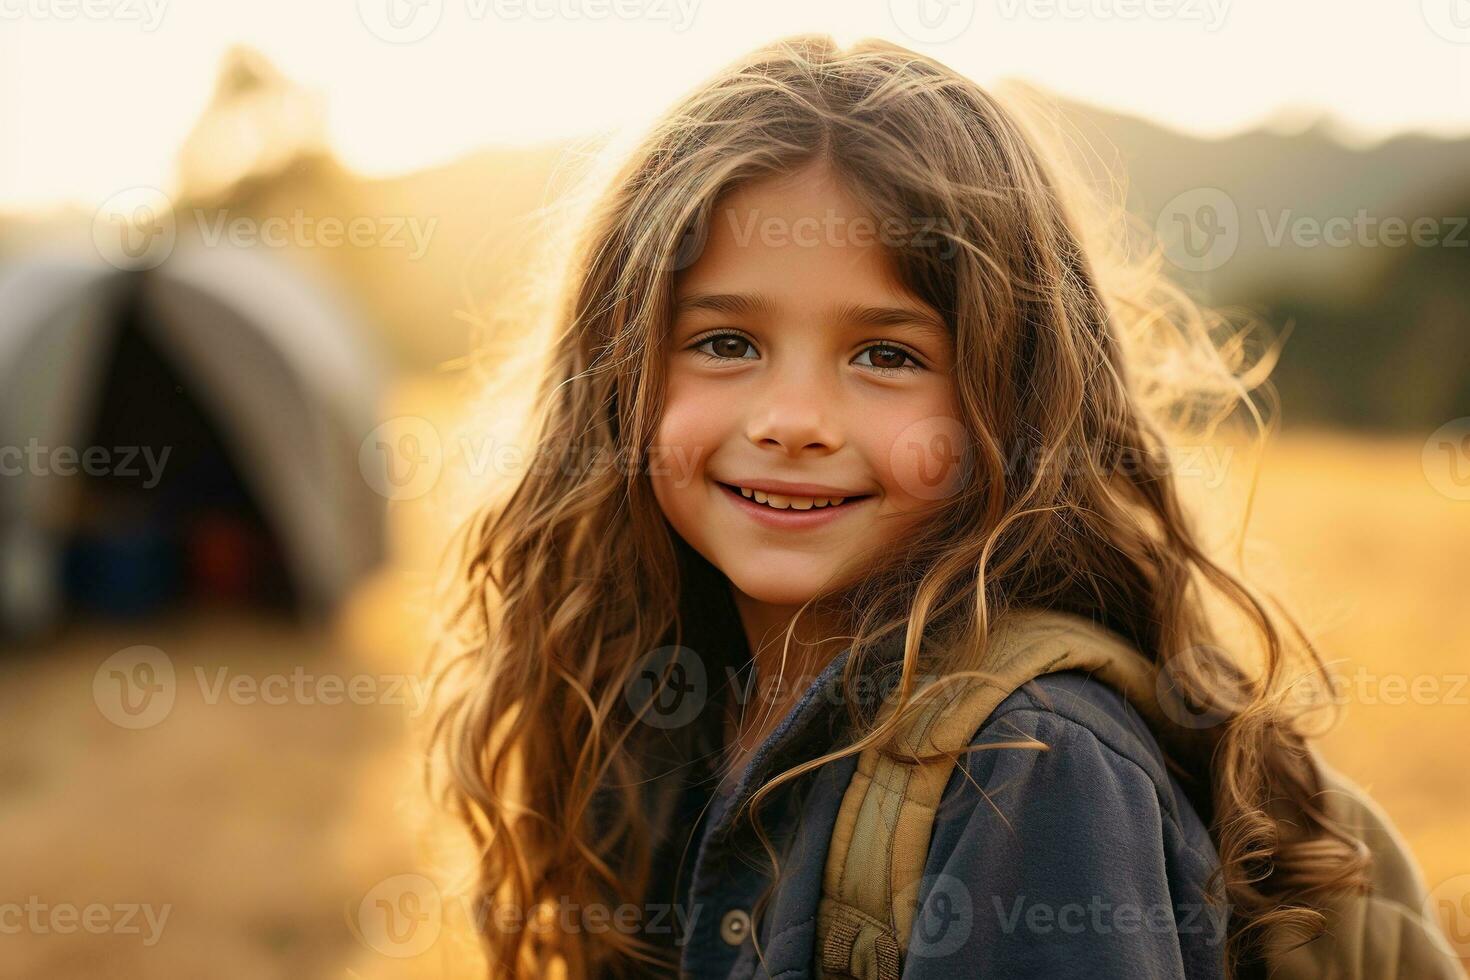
(881, 837)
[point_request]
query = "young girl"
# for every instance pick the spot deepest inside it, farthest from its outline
(837, 384)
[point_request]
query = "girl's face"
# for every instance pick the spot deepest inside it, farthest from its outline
(800, 369)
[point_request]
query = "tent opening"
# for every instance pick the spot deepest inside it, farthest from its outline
(170, 522)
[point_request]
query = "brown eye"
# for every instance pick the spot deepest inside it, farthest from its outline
(730, 346)
(885, 359)
(725, 347)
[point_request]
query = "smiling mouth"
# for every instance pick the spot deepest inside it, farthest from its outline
(787, 502)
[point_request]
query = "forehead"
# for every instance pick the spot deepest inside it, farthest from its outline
(802, 241)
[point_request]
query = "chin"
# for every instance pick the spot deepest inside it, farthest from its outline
(779, 585)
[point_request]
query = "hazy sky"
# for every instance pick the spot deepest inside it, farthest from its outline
(95, 95)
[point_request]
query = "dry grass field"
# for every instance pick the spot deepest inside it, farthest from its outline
(277, 836)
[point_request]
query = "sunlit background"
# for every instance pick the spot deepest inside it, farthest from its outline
(247, 249)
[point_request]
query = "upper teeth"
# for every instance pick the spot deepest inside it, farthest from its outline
(783, 501)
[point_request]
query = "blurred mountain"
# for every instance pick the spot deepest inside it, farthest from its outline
(257, 122)
(1292, 171)
(1391, 354)
(444, 242)
(1378, 326)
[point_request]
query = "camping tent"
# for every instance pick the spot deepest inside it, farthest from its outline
(275, 364)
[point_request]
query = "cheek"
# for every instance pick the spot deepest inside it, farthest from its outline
(919, 453)
(691, 427)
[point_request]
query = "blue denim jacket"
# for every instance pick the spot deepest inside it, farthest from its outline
(1086, 860)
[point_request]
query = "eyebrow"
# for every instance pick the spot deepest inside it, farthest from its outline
(890, 316)
(855, 314)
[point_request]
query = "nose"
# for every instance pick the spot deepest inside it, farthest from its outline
(796, 413)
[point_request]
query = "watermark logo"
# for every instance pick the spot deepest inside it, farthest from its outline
(929, 459)
(135, 688)
(932, 21)
(1199, 230)
(403, 458)
(400, 21)
(1449, 905)
(401, 916)
(688, 249)
(135, 229)
(1178, 696)
(944, 922)
(668, 687)
(1450, 19)
(1446, 459)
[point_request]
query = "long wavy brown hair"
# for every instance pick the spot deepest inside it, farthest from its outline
(1080, 372)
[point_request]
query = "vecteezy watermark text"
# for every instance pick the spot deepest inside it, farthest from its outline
(40, 918)
(404, 915)
(1210, 13)
(410, 21)
(146, 13)
(1363, 229)
(124, 461)
(1098, 916)
(137, 687)
(1200, 229)
(138, 228)
(301, 230)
